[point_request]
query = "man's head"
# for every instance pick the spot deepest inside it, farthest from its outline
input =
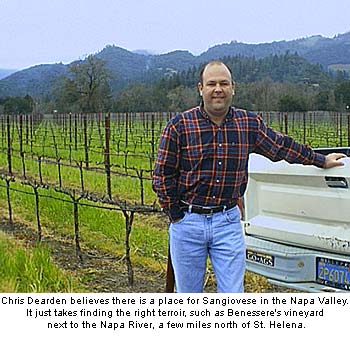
(216, 88)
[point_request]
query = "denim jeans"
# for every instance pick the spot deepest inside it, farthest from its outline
(197, 236)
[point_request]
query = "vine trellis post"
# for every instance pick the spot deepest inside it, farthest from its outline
(129, 218)
(107, 156)
(35, 188)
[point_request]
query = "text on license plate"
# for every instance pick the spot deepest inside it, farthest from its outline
(334, 273)
(265, 259)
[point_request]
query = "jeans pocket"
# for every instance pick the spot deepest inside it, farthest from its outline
(233, 215)
(181, 220)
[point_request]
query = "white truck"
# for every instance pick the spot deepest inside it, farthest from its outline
(297, 224)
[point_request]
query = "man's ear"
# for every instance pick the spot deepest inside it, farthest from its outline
(200, 88)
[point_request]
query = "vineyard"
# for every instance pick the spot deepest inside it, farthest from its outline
(80, 184)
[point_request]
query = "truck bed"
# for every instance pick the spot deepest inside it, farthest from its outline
(297, 223)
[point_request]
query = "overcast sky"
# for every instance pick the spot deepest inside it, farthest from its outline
(51, 31)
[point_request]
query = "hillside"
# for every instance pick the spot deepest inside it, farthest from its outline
(315, 49)
(36, 81)
(6, 72)
(127, 66)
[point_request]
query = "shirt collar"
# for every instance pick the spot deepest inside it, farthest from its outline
(229, 115)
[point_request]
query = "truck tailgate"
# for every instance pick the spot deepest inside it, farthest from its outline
(303, 206)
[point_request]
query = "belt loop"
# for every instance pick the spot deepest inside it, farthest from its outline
(190, 208)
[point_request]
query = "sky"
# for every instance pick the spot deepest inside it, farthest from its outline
(52, 31)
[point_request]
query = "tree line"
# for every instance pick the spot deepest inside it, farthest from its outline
(275, 83)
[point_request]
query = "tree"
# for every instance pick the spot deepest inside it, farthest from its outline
(323, 101)
(89, 85)
(66, 95)
(136, 98)
(342, 94)
(182, 98)
(289, 103)
(18, 105)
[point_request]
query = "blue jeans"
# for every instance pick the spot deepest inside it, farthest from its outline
(197, 236)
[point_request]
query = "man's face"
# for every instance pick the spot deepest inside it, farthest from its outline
(217, 90)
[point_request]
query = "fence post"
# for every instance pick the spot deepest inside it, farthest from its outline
(76, 225)
(59, 172)
(80, 165)
(27, 129)
(85, 141)
(107, 155)
(40, 173)
(35, 187)
(75, 132)
(286, 123)
(23, 165)
(31, 133)
(126, 161)
(20, 134)
(9, 160)
(140, 174)
(152, 135)
(126, 129)
(340, 132)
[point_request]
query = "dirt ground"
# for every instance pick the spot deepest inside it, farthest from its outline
(102, 273)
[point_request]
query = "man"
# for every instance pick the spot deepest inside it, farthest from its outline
(201, 172)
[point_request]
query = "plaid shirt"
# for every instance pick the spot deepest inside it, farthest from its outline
(202, 163)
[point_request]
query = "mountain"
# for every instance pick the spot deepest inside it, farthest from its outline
(132, 66)
(126, 66)
(329, 52)
(315, 49)
(144, 52)
(6, 72)
(178, 60)
(123, 63)
(36, 81)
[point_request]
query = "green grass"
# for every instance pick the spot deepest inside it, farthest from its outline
(99, 228)
(24, 270)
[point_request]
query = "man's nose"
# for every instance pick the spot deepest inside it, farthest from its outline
(218, 87)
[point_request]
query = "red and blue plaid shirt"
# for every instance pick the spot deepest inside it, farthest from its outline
(205, 164)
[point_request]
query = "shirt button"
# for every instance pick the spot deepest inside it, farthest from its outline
(217, 180)
(220, 163)
(220, 145)
(214, 197)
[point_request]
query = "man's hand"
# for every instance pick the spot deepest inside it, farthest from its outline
(332, 160)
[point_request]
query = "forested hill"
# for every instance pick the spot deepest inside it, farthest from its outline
(315, 49)
(286, 68)
(37, 81)
(6, 72)
(276, 60)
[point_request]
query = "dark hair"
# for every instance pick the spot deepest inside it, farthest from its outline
(217, 62)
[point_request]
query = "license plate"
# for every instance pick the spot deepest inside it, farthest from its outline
(265, 259)
(334, 273)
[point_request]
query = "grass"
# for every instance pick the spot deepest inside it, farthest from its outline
(103, 229)
(23, 270)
